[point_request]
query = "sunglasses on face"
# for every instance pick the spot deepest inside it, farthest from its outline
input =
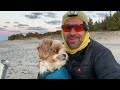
(77, 28)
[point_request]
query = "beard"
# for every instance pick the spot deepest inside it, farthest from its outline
(74, 41)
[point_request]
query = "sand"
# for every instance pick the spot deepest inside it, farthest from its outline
(23, 55)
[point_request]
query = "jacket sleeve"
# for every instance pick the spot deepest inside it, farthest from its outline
(105, 65)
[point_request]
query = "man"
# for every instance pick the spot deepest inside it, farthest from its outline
(88, 59)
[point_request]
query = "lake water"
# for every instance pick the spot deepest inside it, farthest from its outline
(3, 38)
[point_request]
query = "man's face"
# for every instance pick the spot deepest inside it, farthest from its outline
(73, 38)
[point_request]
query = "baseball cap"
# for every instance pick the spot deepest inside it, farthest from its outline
(79, 14)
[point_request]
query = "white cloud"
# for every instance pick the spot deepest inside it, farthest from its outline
(11, 18)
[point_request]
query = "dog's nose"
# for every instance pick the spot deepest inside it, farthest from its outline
(64, 56)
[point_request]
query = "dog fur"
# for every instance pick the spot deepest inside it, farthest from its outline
(52, 54)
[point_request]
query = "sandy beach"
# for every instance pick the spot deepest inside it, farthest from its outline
(23, 55)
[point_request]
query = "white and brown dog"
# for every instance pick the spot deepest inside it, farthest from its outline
(52, 54)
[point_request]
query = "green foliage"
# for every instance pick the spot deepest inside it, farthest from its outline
(17, 36)
(30, 34)
(90, 24)
(110, 23)
(36, 35)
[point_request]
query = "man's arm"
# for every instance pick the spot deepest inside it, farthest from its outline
(105, 65)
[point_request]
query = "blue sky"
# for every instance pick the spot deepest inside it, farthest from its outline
(15, 22)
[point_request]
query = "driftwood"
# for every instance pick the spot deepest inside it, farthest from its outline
(4, 64)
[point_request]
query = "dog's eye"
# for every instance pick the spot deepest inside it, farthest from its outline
(56, 51)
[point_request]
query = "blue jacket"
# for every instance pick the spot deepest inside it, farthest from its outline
(62, 73)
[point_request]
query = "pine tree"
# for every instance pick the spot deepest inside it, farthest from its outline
(90, 24)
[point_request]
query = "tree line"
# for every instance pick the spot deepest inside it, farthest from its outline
(110, 23)
(30, 34)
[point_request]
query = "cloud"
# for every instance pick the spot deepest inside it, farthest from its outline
(55, 22)
(50, 14)
(34, 15)
(37, 13)
(59, 28)
(21, 25)
(10, 32)
(16, 22)
(4, 26)
(93, 16)
(101, 14)
(89, 12)
(14, 31)
(7, 22)
(43, 31)
(1, 29)
(36, 28)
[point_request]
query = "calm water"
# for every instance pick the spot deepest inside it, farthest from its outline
(3, 38)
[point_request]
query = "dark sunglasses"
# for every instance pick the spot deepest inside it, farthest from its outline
(77, 28)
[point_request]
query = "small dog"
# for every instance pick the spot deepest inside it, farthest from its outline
(52, 54)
